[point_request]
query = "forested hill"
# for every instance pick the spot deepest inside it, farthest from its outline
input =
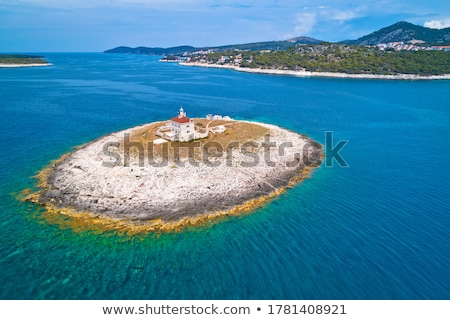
(267, 45)
(404, 31)
(331, 57)
(400, 31)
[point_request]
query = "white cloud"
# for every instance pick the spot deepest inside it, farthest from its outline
(438, 24)
(343, 16)
(304, 23)
(317, 16)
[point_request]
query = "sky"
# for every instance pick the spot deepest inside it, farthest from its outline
(98, 25)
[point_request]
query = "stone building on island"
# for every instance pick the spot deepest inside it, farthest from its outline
(182, 129)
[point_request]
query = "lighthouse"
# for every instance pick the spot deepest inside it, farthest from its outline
(182, 127)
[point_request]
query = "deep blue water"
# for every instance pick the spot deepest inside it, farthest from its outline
(379, 229)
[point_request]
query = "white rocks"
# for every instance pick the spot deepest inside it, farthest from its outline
(90, 180)
(303, 73)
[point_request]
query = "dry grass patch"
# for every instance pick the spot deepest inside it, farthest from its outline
(236, 131)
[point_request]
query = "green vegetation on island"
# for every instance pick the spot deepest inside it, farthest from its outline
(337, 58)
(19, 59)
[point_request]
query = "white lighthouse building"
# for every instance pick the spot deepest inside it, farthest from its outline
(181, 127)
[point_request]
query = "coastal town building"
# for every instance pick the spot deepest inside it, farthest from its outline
(443, 48)
(412, 45)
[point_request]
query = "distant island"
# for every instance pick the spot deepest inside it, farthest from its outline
(20, 60)
(180, 50)
(400, 51)
(168, 175)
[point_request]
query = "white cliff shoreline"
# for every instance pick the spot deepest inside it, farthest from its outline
(3, 65)
(176, 191)
(319, 74)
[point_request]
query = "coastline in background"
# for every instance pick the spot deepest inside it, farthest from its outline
(319, 74)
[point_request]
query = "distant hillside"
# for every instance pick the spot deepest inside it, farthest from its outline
(153, 51)
(404, 31)
(335, 58)
(267, 45)
(304, 40)
(400, 31)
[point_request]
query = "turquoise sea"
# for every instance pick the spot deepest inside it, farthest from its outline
(378, 229)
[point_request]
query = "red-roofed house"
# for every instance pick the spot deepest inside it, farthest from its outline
(181, 127)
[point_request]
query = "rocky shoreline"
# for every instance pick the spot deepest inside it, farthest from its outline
(169, 195)
(319, 74)
(3, 65)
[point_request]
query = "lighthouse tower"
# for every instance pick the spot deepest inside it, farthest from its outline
(181, 113)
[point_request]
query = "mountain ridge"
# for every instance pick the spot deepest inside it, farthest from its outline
(400, 31)
(404, 31)
(179, 50)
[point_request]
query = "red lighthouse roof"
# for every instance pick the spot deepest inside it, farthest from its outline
(181, 119)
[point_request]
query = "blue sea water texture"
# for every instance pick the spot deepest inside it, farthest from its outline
(377, 229)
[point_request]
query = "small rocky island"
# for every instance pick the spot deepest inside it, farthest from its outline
(165, 176)
(21, 60)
